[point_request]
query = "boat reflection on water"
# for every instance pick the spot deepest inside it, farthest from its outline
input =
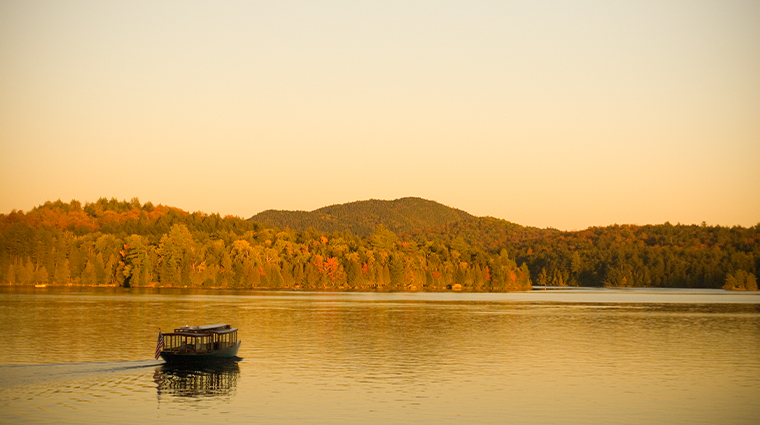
(197, 380)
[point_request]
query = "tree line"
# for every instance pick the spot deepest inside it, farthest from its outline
(662, 256)
(126, 243)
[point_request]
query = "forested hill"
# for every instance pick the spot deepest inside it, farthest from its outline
(406, 244)
(405, 215)
(111, 242)
(662, 255)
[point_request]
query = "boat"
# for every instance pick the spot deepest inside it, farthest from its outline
(192, 344)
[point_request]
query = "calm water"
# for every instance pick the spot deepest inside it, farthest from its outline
(557, 356)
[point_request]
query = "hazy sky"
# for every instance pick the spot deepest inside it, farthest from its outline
(545, 113)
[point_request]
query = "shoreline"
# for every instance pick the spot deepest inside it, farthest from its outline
(263, 289)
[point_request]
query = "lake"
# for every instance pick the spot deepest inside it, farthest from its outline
(571, 356)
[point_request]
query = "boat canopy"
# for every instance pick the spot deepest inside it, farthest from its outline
(205, 329)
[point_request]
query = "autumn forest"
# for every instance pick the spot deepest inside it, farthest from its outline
(409, 244)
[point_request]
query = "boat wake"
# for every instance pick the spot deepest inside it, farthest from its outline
(19, 375)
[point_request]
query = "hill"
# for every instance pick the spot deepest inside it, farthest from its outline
(422, 245)
(122, 243)
(405, 216)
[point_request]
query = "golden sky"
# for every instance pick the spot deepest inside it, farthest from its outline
(544, 113)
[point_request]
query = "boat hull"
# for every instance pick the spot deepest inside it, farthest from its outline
(226, 354)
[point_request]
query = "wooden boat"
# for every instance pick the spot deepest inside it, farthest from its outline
(206, 343)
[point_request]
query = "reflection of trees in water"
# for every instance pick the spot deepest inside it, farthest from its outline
(212, 380)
